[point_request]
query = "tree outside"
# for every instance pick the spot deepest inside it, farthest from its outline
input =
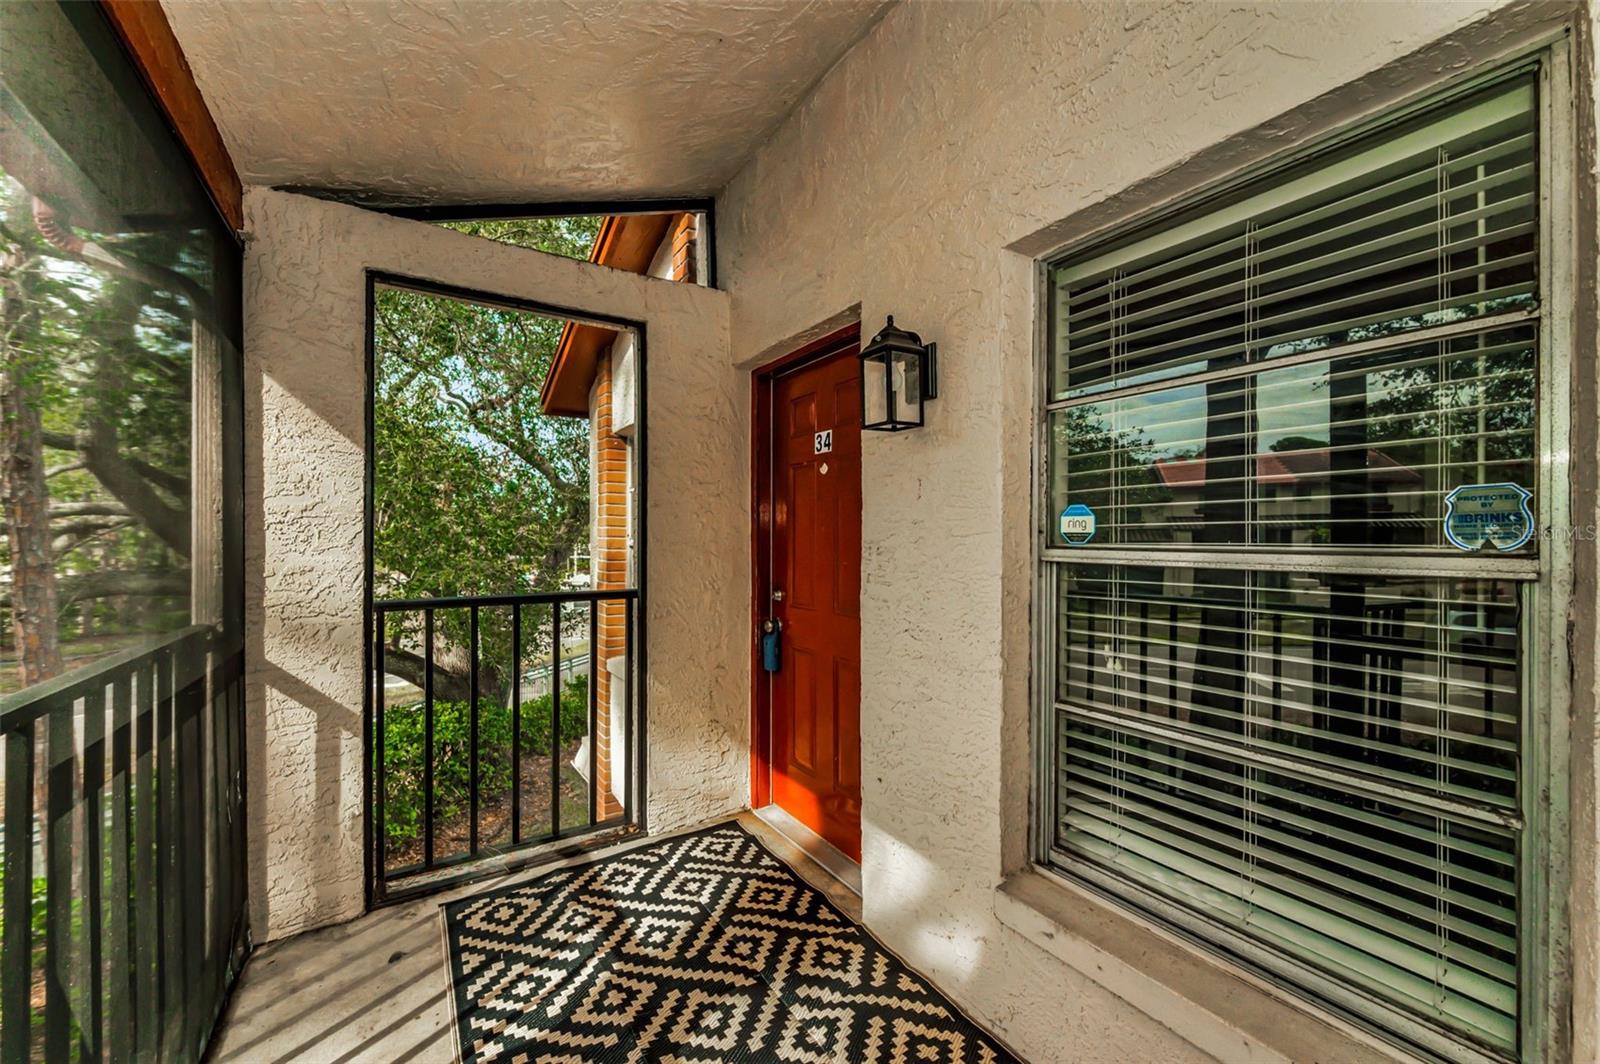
(96, 397)
(103, 320)
(476, 491)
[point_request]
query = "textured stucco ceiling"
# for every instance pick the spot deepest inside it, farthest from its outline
(490, 100)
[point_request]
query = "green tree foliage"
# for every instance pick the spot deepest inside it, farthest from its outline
(476, 490)
(99, 341)
(570, 238)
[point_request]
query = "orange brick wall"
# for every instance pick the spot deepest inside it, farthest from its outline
(610, 534)
(684, 250)
(610, 568)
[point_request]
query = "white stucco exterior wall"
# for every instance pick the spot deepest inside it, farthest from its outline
(305, 444)
(955, 142)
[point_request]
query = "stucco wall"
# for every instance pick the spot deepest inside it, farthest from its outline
(304, 415)
(953, 143)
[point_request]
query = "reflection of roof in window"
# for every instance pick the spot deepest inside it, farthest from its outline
(1286, 467)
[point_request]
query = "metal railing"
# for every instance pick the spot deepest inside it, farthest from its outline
(451, 778)
(123, 945)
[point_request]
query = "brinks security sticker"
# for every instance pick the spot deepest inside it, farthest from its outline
(1077, 525)
(1479, 514)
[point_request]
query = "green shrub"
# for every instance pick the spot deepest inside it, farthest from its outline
(452, 755)
(38, 919)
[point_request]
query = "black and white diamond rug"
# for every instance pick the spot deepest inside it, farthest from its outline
(698, 948)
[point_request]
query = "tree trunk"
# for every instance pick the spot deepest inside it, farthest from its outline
(98, 443)
(23, 490)
(452, 682)
(26, 501)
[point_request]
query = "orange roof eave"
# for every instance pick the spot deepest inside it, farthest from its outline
(624, 242)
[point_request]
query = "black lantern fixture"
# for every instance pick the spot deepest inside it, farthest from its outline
(898, 375)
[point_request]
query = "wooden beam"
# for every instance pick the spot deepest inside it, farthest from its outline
(144, 30)
(624, 242)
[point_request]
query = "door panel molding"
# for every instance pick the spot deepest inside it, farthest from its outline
(847, 338)
(768, 474)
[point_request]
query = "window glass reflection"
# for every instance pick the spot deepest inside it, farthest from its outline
(121, 363)
(1413, 678)
(1358, 451)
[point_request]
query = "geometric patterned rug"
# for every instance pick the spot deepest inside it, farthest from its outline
(698, 948)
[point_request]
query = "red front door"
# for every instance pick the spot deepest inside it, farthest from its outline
(813, 575)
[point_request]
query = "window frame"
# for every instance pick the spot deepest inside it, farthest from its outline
(1543, 872)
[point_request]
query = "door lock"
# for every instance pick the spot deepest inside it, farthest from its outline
(777, 596)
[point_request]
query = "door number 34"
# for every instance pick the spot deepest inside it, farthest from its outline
(822, 443)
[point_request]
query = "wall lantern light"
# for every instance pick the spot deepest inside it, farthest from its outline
(898, 375)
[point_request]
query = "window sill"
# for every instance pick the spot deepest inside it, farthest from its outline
(1222, 1009)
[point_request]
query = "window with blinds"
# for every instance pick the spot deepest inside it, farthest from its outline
(1286, 714)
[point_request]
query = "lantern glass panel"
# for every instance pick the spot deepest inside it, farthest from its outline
(905, 388)
(874, 391)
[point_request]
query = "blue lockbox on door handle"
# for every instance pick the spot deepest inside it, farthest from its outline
(771, 645)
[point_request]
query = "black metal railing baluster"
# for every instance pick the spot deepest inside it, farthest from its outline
(215, 886)
(169, 921)
(93, 870)
(427, 738)
(379, 777)
(16, 953)
(627, 708)
(61, 768)
(214, 972)
(236, 789)
(555, 720)
(146, 986)
(472, 728)
(191, 841)
(181, 856)
(121, 972)
(134, 964)
(469, 816)
(594, 711)
(516, 724)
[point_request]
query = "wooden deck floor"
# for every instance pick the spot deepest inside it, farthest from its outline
(376, 988)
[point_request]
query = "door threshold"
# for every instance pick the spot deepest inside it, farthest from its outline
(829, 857)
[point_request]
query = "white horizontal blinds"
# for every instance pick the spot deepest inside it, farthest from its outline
(1415, 910)
(1311, 763)
(1407, 230)
(1326, 763)
(1412, 682)
(1354, 451)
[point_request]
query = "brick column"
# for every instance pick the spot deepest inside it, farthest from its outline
(684, 249)
(610, 568)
